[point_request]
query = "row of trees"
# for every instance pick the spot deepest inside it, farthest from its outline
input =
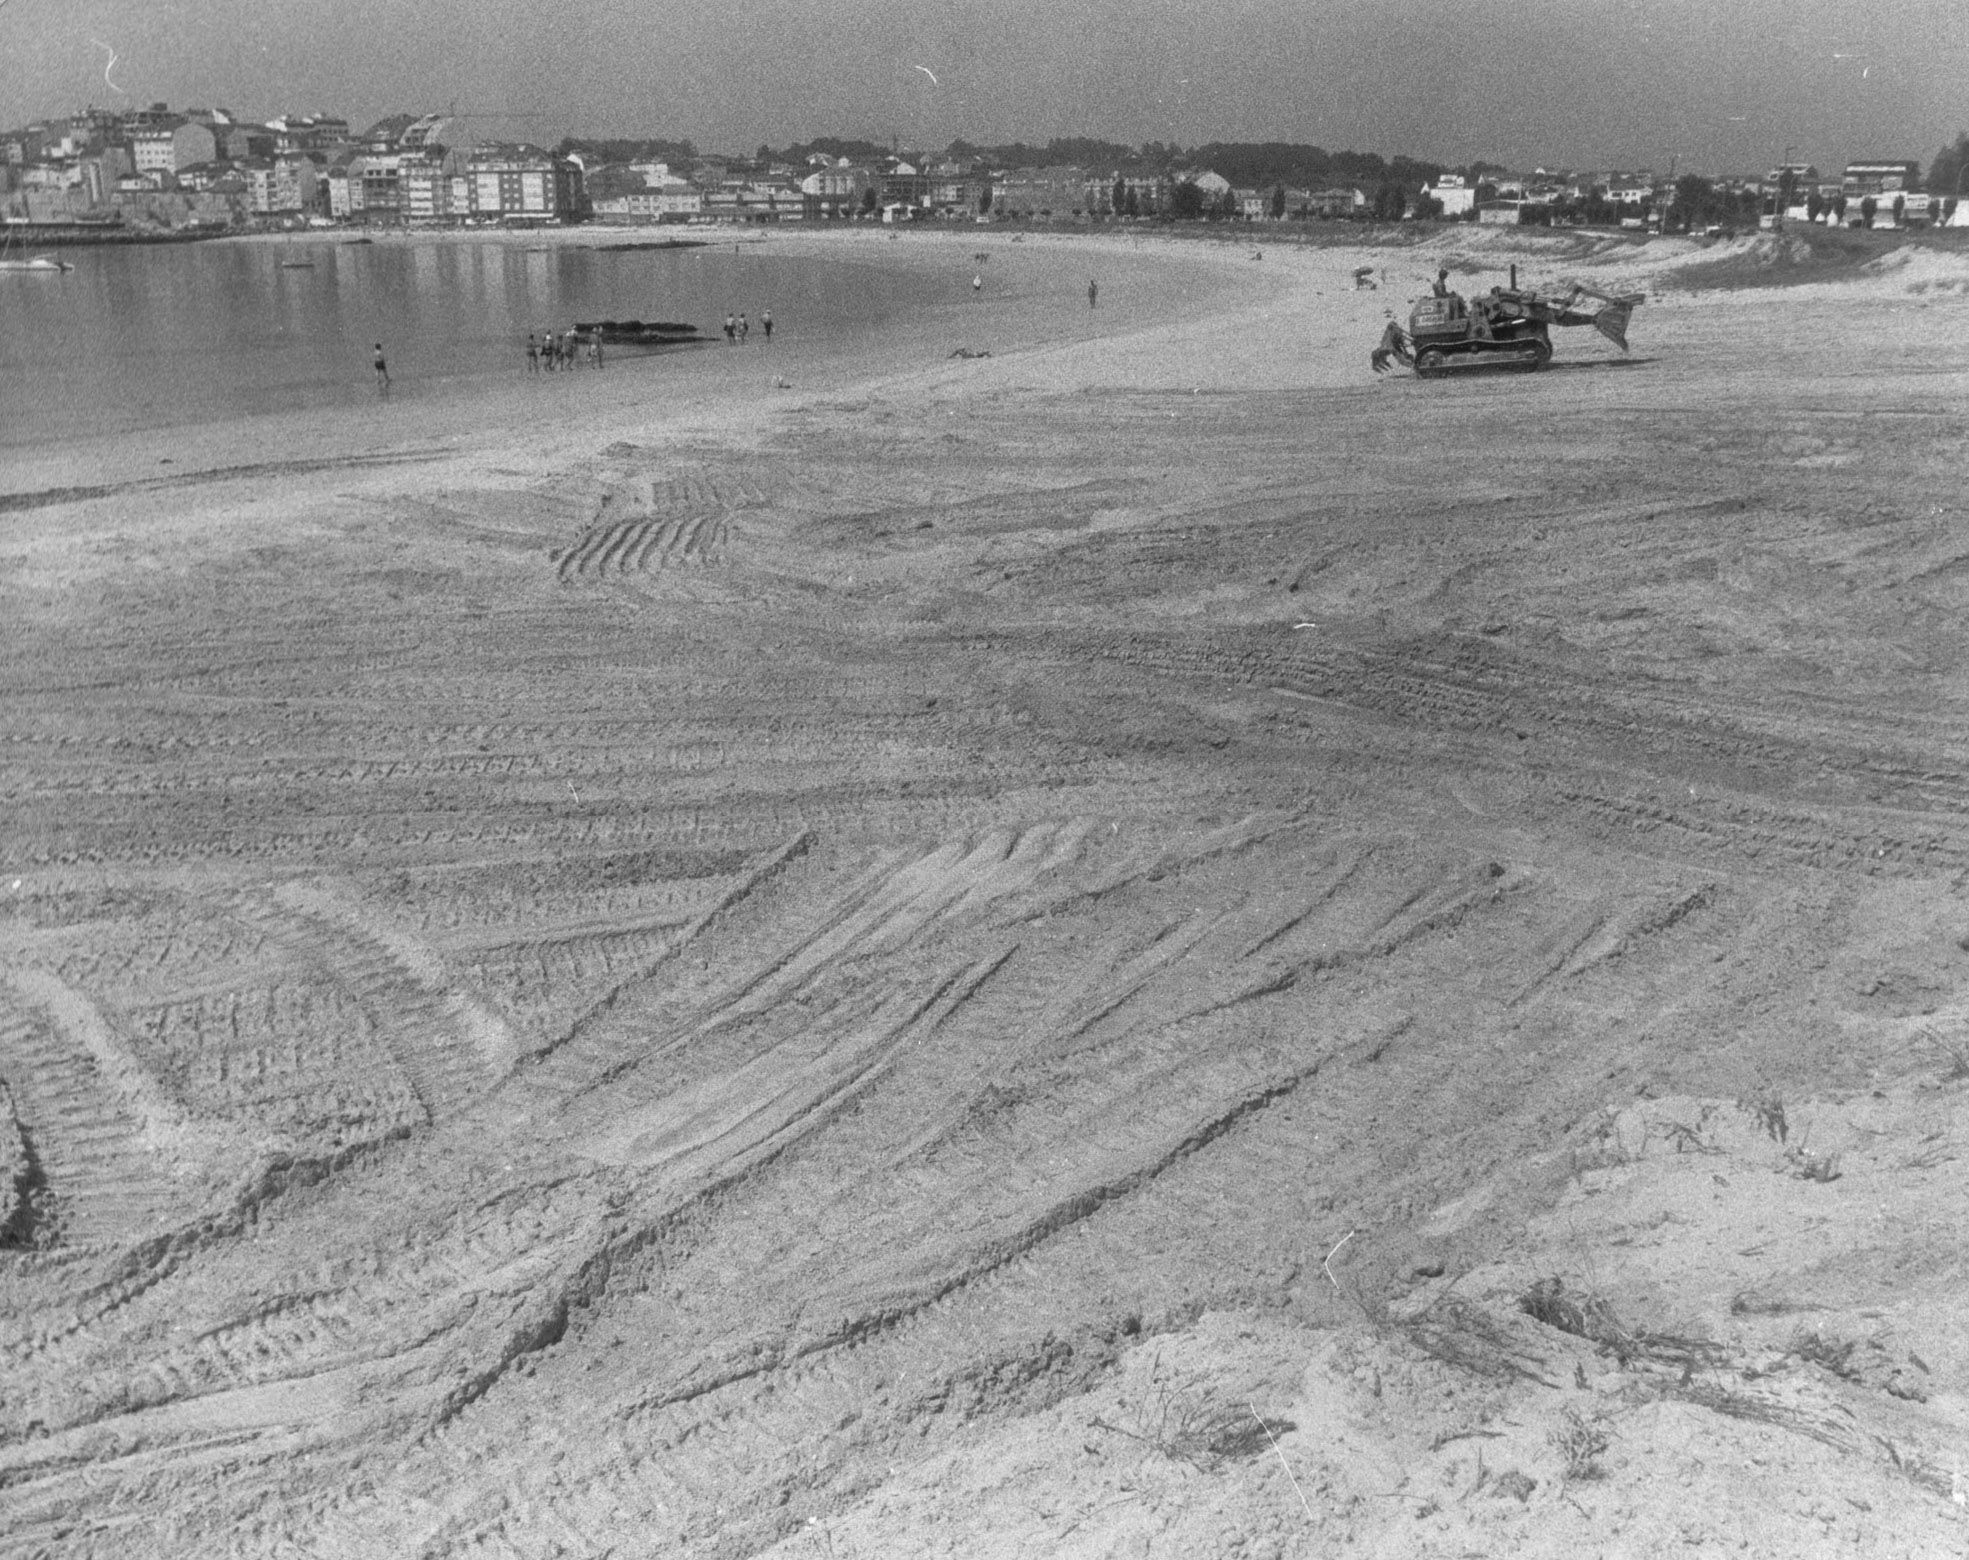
(1248, 164)
(592, 150)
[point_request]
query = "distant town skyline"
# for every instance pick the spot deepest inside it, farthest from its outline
(1722, 85)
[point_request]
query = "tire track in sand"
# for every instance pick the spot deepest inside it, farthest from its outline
(685, 522)
(98, 1127)
(449, 1045)
(766, 1084)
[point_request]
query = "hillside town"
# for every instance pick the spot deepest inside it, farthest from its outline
(156, 170)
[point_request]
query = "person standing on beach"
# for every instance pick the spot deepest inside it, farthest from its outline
(731, 329)
(744, 330)
(766, 323)
(977, 284)
(598, 349)
(382, 370)
(1093, 293)
(532, 354)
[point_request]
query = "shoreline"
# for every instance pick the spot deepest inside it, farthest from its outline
(1028, 307)
(1033, 311)
(1175, 314)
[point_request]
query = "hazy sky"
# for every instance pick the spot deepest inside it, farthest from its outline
(1724, 85)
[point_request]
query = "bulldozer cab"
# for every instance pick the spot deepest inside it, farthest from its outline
(1439, 319)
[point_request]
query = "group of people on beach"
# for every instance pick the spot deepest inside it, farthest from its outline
(737, 328)
(560, 353)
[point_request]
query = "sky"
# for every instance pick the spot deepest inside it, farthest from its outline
(1711, 85)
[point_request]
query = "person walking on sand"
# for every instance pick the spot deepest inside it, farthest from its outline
(382, 370)
(598, 348)
(977, 284)
(532, 353)
(766, 323)
(1093, 293)
(744, 330)
(731, 329)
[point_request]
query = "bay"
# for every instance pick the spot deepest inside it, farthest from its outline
(160, 336)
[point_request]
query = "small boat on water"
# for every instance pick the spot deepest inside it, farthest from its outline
(297, 265)
(39, 263)
(656, 333)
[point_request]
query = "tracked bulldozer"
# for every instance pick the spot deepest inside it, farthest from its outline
(1506, 328)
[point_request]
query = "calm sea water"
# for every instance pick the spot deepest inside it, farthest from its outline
(173, 334)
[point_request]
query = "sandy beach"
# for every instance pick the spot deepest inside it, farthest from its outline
(1144, 944)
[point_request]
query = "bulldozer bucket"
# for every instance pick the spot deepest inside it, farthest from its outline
(1611, 322)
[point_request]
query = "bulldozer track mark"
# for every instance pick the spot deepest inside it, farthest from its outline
(102, 1127)
(1107, 1186)
(1122, 985)
(266, 1052)
(756, 1108)
(1437, 906)
(1326, 885)
(1557, 957)
(1751, 831)
(24, 1207)
(450, 1047)
(1229, 839)
(1622, 932)
(1470, 687)
(1061, 1215)
(141, 1268)
(764, 871)
(637, 545)
(630, 529)
(892, 904)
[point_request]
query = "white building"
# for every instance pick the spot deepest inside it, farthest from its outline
(166, 149)
(1454, 192)
(837, 190)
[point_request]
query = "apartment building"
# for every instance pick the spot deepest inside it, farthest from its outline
(1879, 179)
(432, 187)
(166, 149)
(280, 186)
(517, 182)
(837, 189)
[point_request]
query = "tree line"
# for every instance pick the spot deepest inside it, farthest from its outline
(1249, 164)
